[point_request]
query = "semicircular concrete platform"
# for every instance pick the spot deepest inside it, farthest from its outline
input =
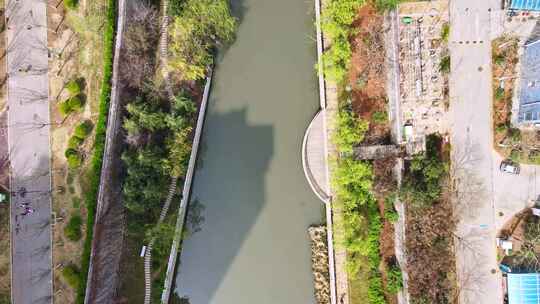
(314, 157)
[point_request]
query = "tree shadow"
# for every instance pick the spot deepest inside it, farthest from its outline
(31, 232)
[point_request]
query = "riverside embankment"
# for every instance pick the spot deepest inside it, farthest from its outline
(257, 204)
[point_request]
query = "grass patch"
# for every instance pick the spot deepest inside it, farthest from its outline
(72, 231)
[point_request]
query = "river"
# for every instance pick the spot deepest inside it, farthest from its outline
(249, 187)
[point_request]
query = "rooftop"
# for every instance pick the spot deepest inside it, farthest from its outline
(530, 5)
(523, 288)
(529, 96)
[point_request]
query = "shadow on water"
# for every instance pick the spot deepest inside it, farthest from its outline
(232, 187)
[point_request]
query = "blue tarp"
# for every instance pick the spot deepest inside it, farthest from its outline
(528, 5)
(523, 288)
(529, 95)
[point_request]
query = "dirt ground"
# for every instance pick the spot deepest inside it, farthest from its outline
(367, 76)
(71, 55)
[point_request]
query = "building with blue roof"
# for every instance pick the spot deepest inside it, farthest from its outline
(526, 5)
(529, 95)
(523, 288)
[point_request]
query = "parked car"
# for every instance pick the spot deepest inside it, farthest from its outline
(511, 13)
(508, 166)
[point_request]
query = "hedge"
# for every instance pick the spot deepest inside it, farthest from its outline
(71, 275)
(90, 196)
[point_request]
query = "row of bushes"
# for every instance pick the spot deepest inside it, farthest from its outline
(75, 101)
(72, 153)
(94, 173)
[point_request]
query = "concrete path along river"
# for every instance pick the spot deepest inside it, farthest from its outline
(253, 244)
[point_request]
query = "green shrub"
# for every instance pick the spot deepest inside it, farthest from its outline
(534, 157)
(73, 88)
(71, 275)
(514, 134)
(515, 155)
(394, 279)
(386, 5)
(72, 231)
(501, 128)
(69, 152)
(74, 142)
(445, 32)
(64, 108)
(71, 4)
(444, 65)
(379, 117)
(422, 183)
(5, 299)
(499, 93)
(83, 129)
(350, 130)
(90, 196)
(75, 103)
(499, 59)
(390, 213)
(74, 161)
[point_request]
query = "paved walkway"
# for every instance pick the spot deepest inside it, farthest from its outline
(27, 65)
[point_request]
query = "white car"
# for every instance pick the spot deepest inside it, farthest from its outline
(508, 166)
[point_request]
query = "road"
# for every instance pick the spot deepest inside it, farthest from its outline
(483, 191)
(28, 121)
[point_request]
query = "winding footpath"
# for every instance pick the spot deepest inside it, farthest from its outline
(163, 50)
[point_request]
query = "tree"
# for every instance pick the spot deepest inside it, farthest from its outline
(140, 41)
(200, 26)
(162, 234)
(83, 129)
(71, 4)
(350, 131)
(73, 87)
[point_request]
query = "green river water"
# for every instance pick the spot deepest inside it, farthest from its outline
(249, 188)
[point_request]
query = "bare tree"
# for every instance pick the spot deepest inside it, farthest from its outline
(140, 40)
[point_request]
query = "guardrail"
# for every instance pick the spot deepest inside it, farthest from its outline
(175, 248)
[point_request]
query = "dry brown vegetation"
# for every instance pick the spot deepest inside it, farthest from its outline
(504, 57)
(367, 75)
(429, 229)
